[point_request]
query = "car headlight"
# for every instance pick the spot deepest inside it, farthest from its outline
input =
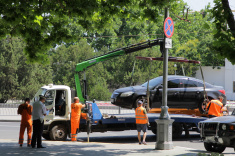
(223, 127)
(126, 94)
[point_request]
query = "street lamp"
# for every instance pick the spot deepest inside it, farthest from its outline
(175, 65)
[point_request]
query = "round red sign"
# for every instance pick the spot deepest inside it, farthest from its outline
(168, 27)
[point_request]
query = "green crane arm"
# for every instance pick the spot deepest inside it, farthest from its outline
(118, 52)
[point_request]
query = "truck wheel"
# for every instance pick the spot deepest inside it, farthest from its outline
(58, 133)
(46, 136)
(154, 131)
(177, 130)
(214, 147)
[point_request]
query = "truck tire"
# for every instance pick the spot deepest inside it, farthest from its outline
(46, 136)
(154, 131)
(58, 133)
(177, 130)
(214, 147)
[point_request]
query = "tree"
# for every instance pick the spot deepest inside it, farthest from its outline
(18, 79)
(224, 34)
(44, 23)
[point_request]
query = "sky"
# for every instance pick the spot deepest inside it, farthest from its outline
(197, 5)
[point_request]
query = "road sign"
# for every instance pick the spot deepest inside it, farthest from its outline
(168, 43)
(168, 27)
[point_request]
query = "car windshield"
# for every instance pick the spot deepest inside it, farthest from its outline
(153, 82)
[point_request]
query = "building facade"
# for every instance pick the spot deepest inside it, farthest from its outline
(220, 76)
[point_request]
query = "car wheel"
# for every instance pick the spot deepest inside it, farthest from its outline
(202, 106)
(214, 147)
(46, 136)
(143, 99)
(58, 133)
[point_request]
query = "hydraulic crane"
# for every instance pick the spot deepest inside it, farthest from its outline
(112, 54)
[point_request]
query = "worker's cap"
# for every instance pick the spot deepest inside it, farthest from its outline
(76, 98)
(140, 102)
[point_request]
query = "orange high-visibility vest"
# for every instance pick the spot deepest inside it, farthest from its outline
(140, 116)
(214, 107)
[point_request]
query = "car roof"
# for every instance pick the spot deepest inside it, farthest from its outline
(170, 77)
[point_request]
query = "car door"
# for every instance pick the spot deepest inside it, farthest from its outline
(189, 93)
(173, 93)
(156, 96)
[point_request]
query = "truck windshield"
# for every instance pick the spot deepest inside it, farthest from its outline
(41, 91)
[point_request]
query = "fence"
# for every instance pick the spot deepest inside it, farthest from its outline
(10, 109)
(105, 108)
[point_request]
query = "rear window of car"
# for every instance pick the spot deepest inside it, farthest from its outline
(190, 83)
(200, 83)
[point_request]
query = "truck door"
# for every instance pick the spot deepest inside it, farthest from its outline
(50, 104)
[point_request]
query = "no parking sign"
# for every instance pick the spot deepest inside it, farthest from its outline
(168, 27)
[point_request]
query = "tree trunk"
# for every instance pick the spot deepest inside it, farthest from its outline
(229, 16)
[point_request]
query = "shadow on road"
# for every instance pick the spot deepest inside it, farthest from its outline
(133, 139)
(67, 149)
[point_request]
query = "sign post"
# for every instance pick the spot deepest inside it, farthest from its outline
(164, 123)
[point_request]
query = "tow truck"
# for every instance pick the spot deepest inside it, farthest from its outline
(59, 99)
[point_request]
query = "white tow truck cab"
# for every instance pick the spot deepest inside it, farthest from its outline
(58, 102)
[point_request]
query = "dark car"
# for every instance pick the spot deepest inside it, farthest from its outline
(218, 133)
(183, 92)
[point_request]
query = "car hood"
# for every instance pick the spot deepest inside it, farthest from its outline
(131, 88)
(222, 119)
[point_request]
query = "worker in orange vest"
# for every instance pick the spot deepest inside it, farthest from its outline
(75, 117)
(214, 107)
(25, 110)
(141, 121)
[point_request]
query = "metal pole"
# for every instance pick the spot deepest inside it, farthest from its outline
(164, 123)
(164, 109)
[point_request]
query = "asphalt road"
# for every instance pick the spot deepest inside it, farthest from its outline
(10, 130)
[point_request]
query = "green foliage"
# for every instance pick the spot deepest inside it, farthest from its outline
(44, 23)
(224, 43)
(63, 26)
(17, 78)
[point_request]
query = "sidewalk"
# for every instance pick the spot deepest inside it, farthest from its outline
(10, 147)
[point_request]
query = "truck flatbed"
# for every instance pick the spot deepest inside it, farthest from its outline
(120, 122)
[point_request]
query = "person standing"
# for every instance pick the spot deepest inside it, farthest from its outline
(25, 110)
(39, 111)
(141, 121)
(76, 108)
(214, 107)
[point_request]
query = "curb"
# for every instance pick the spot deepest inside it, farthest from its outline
(10, 120)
